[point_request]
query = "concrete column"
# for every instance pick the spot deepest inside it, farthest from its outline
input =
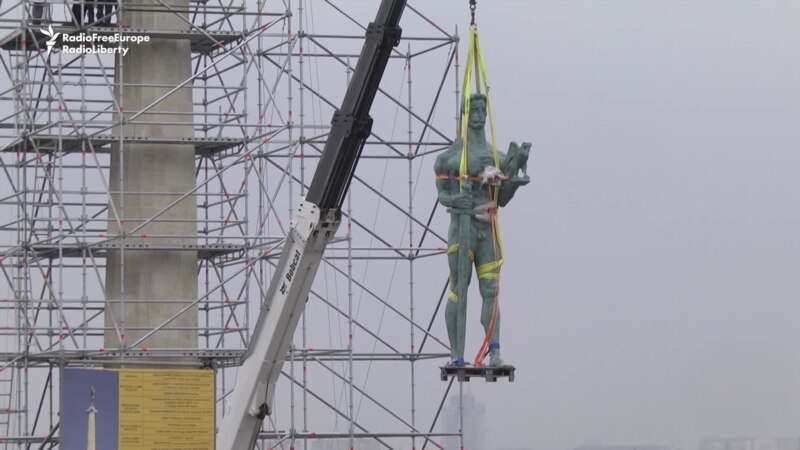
(157, 283)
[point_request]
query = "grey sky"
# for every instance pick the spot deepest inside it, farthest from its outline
(663, 248)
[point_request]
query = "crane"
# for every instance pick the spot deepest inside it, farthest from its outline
(314, 225)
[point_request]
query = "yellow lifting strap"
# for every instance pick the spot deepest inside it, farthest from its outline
(452, 296)
(454, 249)
(489, 268)
(475, 57)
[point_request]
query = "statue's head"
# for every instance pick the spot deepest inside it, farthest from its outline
(477, 111)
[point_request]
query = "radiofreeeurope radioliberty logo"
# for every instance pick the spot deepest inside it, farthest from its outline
(53, 36)
(88, 43)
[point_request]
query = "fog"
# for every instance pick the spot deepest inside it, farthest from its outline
(651, 295)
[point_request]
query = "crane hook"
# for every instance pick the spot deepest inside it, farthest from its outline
(473, 4)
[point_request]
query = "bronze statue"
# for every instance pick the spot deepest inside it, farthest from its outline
(472, 238)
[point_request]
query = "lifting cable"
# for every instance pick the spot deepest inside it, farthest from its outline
(475, 58)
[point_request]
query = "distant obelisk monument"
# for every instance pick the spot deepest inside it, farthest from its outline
(91, 438)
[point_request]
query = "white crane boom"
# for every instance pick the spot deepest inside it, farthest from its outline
(309, 233)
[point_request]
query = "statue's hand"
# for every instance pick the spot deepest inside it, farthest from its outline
(463, 200)
(519, 181)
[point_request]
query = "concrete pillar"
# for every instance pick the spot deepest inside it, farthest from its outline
(157, 283)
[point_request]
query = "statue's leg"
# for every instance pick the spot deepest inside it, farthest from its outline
(455, 312)
(488, 264)
(451, 318)
(488, 289)
(451, 311)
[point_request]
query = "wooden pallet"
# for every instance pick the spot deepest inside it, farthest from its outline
(490, 374)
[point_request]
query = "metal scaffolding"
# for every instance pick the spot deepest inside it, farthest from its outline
(267, 75)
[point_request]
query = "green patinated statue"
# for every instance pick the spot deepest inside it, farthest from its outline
(472, 238)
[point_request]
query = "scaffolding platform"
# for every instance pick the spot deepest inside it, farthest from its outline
(465, 373)
(201, 41)
(48, 143)
(101, 357)
(204, 251)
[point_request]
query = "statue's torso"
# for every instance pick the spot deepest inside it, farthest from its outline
(478, 157)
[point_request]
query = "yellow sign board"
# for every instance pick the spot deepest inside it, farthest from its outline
(166, 409)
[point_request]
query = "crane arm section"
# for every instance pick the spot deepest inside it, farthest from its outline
(310, 232)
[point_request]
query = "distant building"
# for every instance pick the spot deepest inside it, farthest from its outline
(623, 447)
(474, 423)
(787, 443)
(738, 443)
